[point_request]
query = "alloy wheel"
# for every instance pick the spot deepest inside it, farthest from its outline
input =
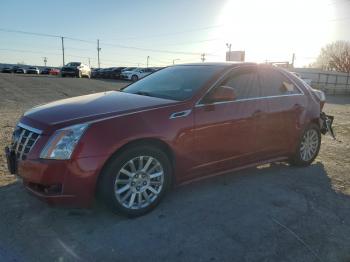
(139, 182)
(309, 145)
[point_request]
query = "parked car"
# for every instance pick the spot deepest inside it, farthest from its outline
(54, 71)
(45, 71)
(182, 123)
(33, 70)
(14, 69)
(95, 72)
(136, 74)
(76, 69)
(6, 70)
(104, 72)
(20, 71)
(116, 72)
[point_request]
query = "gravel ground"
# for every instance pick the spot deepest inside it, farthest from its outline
(269, 213)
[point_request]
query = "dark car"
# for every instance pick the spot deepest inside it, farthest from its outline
(33, 70)
(115, 72)
(6, 70)
(181, 123)
(95, 72)
(45, 71)
(20, 71)
(104, 72)
(76, 69)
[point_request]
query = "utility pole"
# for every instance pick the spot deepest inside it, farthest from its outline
(62, 50)
(147, 60)
(98, 53)
(89, 63)
(175, 60)
(293, 59)
(229, 50)
(45, 60)
(203, 57)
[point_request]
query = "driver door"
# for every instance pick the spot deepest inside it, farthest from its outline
(225, 131)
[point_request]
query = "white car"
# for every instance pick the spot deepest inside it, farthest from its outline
(136, 74)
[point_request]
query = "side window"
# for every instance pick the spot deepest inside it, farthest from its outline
(274, 83)
(244, 82)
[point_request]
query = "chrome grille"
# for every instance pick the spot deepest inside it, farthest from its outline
(23, 141)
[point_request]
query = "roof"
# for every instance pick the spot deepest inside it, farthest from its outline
(228, 64)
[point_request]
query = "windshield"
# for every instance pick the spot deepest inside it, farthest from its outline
(176, 82)
(73, 64)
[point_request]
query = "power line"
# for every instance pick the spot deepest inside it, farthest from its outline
(27, 33)
(169, 34)
(28, 51)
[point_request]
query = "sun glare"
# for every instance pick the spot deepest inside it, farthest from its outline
(274, 30)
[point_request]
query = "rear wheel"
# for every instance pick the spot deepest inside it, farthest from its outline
(135, 181)
(309, 146)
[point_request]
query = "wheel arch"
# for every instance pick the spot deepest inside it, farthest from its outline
(153, 142)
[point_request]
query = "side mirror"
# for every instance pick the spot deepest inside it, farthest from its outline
(222, 94)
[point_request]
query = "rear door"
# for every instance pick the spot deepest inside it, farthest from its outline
(284, 103)
(225, 132)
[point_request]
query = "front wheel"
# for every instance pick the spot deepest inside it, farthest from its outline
(135, 181)
(308, 147)
(134, 78)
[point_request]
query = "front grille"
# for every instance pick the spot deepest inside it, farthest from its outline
(23, 141)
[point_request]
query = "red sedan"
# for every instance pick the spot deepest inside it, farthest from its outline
(54, 71)
(182, 123)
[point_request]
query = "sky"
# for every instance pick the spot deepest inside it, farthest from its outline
(176, 31)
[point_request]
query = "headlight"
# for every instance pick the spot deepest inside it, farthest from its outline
(61, 145)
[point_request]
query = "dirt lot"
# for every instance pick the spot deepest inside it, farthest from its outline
(271, 213)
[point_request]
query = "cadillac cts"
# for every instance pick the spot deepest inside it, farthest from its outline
(179, 124)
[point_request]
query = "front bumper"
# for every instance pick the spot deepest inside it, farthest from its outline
(59, 182)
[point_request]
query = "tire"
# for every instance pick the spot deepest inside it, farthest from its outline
(127, 191)
(63, 75)
(308, 146)
(134, 78)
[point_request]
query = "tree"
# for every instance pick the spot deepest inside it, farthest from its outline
(335, 56)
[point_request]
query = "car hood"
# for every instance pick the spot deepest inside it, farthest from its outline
(88, 108)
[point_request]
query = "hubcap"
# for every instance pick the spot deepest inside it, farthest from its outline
(139, 182)
(309, 145)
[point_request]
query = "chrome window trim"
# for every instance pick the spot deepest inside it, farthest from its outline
(247, 99)
(198, 104)
(31, 129)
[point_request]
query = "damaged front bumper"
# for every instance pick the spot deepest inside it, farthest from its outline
(326, 122)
